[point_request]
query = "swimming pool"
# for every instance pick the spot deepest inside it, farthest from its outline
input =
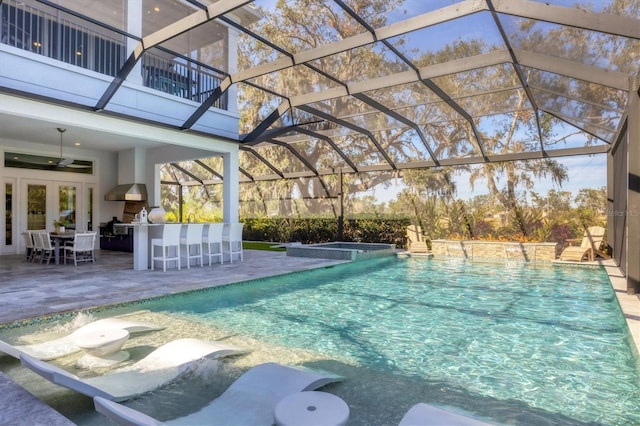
(512, 343)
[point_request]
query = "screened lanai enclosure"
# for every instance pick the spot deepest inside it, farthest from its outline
(368, 89)
(338, 96)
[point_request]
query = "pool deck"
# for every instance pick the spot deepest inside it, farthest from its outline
(32, 290)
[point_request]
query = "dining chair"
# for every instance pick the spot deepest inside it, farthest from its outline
(36, 251)
(212, 242)
(82, 247)
(170, 240)
(232, 240)
(47, 251)
(28, 245)
(191, 243)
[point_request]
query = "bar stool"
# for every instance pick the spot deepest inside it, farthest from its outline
(232, 240)
(170, 239)
(191, 243)
(212, 242)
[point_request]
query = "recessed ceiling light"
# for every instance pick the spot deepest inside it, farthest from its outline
(156, 9)
(76, 143)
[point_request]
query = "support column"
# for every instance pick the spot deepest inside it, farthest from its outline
(340, 207)
(610, 207)
(231, 191)
(134, 26)
(232, 65)
(633, 191)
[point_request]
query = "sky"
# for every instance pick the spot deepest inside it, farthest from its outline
(585, 171)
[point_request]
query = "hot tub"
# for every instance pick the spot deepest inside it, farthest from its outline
(342, 250)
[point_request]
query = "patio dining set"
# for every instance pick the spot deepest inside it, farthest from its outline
(43, 246)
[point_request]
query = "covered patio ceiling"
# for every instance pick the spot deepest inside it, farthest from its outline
(380, 86)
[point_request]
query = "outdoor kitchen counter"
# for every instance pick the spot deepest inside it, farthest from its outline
(142, 234)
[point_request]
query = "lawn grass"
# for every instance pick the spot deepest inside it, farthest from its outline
(261, 245)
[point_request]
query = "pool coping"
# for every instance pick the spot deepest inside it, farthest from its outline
(629, 303)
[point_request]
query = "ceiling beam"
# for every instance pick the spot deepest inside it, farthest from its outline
(553, 64)
(209, 169)
(622, 26)
(333, 145)
(518, 71)
(351, 126)
(284, 106)
(448, 162)
(373, 103)
(428, 19)
(263, 160)
(186, 172)
(296, 154)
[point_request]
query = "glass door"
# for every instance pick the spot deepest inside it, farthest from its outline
(36, 206)
(8, 228)
(67, 206)
(89, 214)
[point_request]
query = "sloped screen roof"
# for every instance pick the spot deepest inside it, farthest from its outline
(386, 85)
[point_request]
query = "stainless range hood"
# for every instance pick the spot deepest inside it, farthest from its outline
(128, 192)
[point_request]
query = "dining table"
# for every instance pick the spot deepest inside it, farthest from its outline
(58, 240)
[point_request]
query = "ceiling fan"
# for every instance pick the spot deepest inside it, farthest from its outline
(63, 162)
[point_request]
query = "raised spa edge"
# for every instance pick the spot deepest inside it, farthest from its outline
(342, 250)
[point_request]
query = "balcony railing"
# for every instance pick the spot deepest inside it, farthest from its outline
(38, 31)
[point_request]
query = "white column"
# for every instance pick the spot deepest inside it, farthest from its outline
(134, 26)
(153, 184)
(232, 67)
(231, 191)
(140, 247)
(633, 191)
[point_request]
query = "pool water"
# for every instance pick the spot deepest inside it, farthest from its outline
(545, 340)
(519, 344)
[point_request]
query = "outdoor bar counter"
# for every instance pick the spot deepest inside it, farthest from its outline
(142, 234)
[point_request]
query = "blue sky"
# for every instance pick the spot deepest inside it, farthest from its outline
(584, 172)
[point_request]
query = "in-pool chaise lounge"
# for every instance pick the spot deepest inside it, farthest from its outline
(66, 345)
(160, 367)
(428, 415)
(250, 400)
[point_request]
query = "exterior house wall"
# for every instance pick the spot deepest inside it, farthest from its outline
(32, 73)
(140, 147)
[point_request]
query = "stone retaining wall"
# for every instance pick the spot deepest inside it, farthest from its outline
(532, 252)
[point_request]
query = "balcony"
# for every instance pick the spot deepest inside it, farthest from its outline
(103, 50)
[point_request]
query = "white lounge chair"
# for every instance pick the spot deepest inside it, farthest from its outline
(160, 367)
(428, 415)
(67, 345)
(250, 400)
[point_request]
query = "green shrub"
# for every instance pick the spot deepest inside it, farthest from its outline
(391, 230)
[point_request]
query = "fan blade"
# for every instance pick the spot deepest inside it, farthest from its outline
(65, 162)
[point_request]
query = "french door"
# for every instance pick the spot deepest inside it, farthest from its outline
(41, 204)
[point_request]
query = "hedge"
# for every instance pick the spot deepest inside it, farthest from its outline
(322, 230)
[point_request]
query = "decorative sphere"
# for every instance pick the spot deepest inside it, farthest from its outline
(157, 215)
